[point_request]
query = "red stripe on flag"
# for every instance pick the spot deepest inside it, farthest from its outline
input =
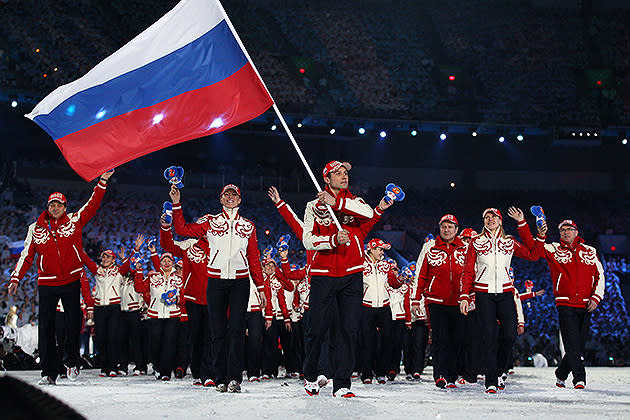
(100, 147)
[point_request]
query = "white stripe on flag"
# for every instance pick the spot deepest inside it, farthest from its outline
(186, 22)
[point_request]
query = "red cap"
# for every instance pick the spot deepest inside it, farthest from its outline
(108, 252)
(57, 196)
(449, 218)
(567, 222)
(492, 210)
(378, 243)
(179, 264)
(230, 187)
(167, 255)
(334, 165)
(468, 233)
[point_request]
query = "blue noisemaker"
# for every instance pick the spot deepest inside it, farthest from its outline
(170, 297)
(540, 215)
(135, 258)
(174, 175)
(429, 237)
(283, 242)
(393, 193)
(269, 252)
(167, 210)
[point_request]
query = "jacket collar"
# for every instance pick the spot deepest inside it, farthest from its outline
(455, 243)
(230, 214)
(345, 193)
(576, 243)
(44, 219)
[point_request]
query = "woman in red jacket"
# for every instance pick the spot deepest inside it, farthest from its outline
(438, 282)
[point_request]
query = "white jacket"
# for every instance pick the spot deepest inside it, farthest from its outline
(489, 258)
(156, 283)
(375, 279)
(107, 286)
(130, 300)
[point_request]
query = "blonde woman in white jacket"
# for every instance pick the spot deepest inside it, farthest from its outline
(486, 272)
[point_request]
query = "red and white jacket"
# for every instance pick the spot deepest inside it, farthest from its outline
(130, 300)
(376, 276)
(277, 308)
(576, 272)
(254, 303)
(400, 303)
(107, 281)
(58, 244)
(303, 287)
(232, 241)
(194, 255)
(520, 316)
(489, 258)
(355, 216)
(440, 272)
(153, 286)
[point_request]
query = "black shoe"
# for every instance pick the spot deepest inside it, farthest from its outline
(179, 372)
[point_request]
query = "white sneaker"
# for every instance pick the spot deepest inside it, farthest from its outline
(381, 380)
(73, 373)
(501, 383)
(311, 388)
(560, 383)
(121, 373)
(46, 380)
(579, 385)
(322, 381)
(344, 393)
(234, 386)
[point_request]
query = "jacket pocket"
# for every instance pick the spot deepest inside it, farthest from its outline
(41, 263)
(480, 274)
(431, 284)
(244, 259)
(214, 258)
(558, 282)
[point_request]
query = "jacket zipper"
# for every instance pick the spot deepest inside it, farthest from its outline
(230, 249)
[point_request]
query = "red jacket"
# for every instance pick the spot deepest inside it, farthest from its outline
(320, 234)
(296, 225)
(576, 272)
(58, 244)
(277, 307)
(194, 254)
(441, 271)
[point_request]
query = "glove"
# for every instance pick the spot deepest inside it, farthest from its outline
(393, 192)
(283, 242)
(174, 175)
(540, 215)
(167, 209)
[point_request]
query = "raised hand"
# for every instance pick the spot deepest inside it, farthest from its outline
(175, 194)
(121, 252)
(139, 241)
(542, 230)
(273, 194)
(384, 205)
(283, 254)
(516, 214)
(105, 176)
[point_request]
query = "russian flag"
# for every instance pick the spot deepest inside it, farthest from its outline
(184, 77)
(16, 248)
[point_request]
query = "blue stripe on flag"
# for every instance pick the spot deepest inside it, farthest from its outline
(209, 59)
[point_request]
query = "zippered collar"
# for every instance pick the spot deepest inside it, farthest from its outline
(455, 243)
(230, 214)
(344, 193)
(576, 243)
(44, 220)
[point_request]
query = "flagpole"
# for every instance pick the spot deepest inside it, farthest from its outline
(278, 113)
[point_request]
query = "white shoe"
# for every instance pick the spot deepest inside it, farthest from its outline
(344, 393)
(46, 380)
(322, 381)
(579, 385)
(311, 388)
(560, 383)
(73, 373)
(501, 383)
(234, 386)
(121, 373)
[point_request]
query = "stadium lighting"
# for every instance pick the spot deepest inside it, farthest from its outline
(332, 131)
(501, 139)
(414, 133)
(442, 136)
(519, 137)
(361, 130)
(216, 123)
(474, 134)
(452, 185)
(624, 141)
(273, 127)
(383, 134)
(595, 134)
(157, 118)
(451, 78)
(299, 125)
(14, 104)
